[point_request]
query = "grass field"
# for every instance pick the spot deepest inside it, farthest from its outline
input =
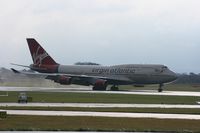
(70, 97)
(51, 123)
(58, 123)
(167, 87)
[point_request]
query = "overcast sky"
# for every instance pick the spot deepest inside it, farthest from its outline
(103, 31)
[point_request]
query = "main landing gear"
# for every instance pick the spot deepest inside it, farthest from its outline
(160, 89)
(99, 88)
(114, 88)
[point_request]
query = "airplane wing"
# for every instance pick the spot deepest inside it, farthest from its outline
(87, 78)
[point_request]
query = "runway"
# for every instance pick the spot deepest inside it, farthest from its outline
(51, 89)
(99, 105)
(102, 105)
(104, 114)
(63, 132)
(66, 132)
(89, 90)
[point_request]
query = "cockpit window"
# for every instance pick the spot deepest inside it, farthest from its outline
(164, 67)
(157, 70)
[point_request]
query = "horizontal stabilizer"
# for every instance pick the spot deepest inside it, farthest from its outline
(19, 65)
(15, 71)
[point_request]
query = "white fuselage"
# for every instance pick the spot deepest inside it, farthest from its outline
(131, 73)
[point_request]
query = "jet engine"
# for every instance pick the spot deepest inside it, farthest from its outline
(100, 84)
(64, 80)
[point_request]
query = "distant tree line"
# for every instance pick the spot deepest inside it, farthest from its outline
(190, 78)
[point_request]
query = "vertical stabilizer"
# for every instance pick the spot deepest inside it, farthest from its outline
(39, 55)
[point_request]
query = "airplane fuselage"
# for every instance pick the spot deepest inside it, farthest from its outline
(127, 74)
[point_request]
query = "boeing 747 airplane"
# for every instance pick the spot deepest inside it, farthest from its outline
(96, 75)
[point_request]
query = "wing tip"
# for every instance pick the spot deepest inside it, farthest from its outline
(14, 70)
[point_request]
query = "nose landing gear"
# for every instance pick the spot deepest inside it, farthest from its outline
(160, 89)
(114, 88)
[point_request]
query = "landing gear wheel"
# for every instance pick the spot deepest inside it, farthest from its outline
(98, 88)
(94, 88)
(114, 88)
(160, 89)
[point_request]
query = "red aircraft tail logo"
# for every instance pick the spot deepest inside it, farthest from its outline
(39, 55)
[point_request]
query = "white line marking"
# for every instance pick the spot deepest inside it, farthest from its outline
(98, 105)
(104, 114)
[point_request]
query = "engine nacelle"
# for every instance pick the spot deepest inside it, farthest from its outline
(64, 80)
(100, 84)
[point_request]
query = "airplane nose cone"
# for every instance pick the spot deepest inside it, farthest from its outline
(173, 76)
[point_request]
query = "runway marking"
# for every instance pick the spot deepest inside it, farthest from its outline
(104, 114)
(98, 105)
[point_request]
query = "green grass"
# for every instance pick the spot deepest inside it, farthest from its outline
(130, 110)
(182, 87)
(70, 97)
(62, 123)
(167, 87)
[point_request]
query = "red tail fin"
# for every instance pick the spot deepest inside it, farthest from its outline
(39, 55)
